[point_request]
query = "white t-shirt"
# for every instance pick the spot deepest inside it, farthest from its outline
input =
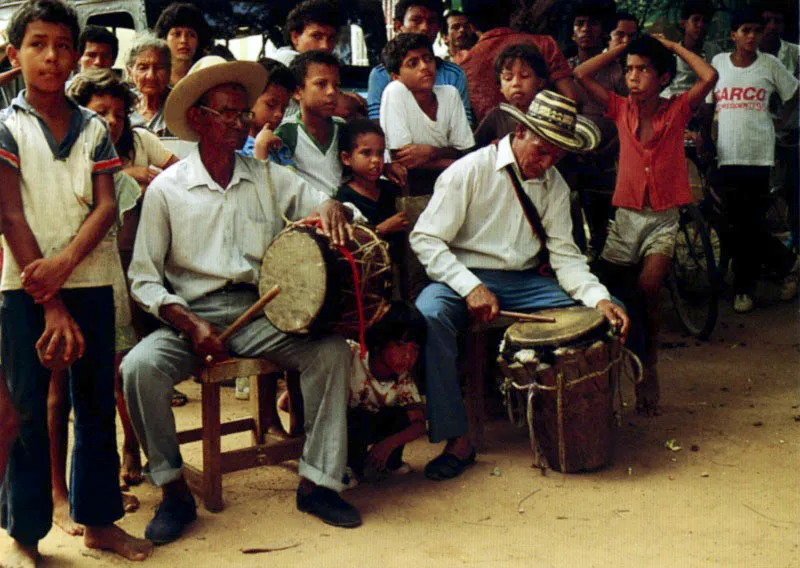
(746, 135)
(404, 122)
(148, 150)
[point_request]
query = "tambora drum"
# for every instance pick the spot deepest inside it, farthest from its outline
(325, 288)
(570, 371)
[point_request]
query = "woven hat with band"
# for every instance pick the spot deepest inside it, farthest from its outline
(555, 118)
(209, 72)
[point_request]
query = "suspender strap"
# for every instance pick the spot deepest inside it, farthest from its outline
(528, 207)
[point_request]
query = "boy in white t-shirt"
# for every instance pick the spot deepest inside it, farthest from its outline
(746, 152)
(426, 125)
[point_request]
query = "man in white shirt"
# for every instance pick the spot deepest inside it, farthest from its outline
(205, 226)
(479, 249)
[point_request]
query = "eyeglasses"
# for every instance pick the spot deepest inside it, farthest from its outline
(231, 116)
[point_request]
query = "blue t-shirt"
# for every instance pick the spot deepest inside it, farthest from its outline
(282, 156)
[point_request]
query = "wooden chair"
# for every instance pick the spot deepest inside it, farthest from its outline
(271, 443)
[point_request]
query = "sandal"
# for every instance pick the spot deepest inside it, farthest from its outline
(178, 398)
(448, 466)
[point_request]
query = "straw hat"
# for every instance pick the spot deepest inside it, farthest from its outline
(555, 118)
(207, 73)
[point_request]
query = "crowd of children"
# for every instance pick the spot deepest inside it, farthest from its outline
(74, 156)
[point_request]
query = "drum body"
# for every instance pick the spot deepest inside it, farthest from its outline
(569, 372)
(318, 285)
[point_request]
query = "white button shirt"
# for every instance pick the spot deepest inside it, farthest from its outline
(198, 236)
(474, 220)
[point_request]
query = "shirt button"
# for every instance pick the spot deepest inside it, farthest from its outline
(647, 169)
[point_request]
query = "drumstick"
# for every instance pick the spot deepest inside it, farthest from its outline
(527, 317)
(247, 316)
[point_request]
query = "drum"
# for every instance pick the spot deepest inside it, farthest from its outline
(324, 288)
(569, 370)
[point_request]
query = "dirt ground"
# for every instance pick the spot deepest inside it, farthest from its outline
(729, 497)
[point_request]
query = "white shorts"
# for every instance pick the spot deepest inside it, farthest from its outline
(633, 235)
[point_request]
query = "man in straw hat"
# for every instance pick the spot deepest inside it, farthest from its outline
(480, 249)
(205, 226)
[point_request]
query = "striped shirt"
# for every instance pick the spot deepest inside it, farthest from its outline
(56, 186)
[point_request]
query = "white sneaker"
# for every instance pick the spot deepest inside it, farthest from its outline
(242, 391)
(742, 303)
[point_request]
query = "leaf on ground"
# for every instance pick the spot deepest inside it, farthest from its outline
(673, 445)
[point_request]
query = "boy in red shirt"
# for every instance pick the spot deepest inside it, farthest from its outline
(652, 181)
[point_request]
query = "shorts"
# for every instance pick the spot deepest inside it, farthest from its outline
(633, 235)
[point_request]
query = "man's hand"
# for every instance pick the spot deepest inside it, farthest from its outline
(394, 224)
(482, 304)
(616, 316)
(379, 454)
(59, 326)
(8, 76)
(414, 155)
(397, 173)
(44, 277)
(206, 343)
(335, 224)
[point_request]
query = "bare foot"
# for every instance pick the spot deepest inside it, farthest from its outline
(648, 394)
(62, 519)
(130, 502)
(114, 539)
(19, 556)
(131, 470)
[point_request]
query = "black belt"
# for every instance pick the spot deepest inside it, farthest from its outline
(237, 287)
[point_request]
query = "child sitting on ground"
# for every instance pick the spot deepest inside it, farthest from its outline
(652, 179)
(521, 73)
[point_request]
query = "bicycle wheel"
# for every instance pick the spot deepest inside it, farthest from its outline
(693, 280)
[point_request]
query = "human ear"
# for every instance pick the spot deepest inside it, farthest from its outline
(293, 37)
(663, 80)
(345, 157)
(13, 55)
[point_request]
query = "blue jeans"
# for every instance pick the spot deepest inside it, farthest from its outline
(26, 506)
(445, 314)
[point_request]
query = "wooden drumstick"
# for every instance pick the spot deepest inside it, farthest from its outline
(247, 316)
(527, 317)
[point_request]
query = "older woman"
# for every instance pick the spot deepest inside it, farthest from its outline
(148, 68)
(186, 32)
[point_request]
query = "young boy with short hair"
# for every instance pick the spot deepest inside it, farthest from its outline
(626, 29)
(746, 152)
(426, 125)
(310, 26)
(56, 161)
(521, 72)
(652, 180)
(98, 48)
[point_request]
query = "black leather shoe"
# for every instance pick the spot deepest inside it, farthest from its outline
(171, 518)
(328, 506)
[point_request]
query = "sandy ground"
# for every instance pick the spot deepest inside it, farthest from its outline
(732, 502)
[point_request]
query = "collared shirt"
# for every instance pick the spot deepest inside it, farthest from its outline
(197, 236)
(56, 185)
(157, 124)
(685, 78)
(652, 174)
(446, 74)
(474, 220)
(478, 65)
(317, 164)
(612, 78)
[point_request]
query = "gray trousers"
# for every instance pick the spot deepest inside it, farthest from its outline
(163, 359)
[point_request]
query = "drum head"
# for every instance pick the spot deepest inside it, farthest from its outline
(294, 261)
(571, 323)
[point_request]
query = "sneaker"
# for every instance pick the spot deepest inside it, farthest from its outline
(742, 303)
(171, 518)
(329, 507)
(242, 391)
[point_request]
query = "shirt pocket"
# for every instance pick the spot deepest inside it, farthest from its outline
(80, 167)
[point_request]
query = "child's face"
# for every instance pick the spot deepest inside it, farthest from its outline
(625, 31)
(642, 79)
(47, 56)
(320, 92)
(747, 37)
(366, 159)
(182, 42)
(418, 70)
(695, 26)
(400, 356)
(519, 84)
(314, 36)
(96, 56)
(587, 32)
(270, 107)
(112, 110)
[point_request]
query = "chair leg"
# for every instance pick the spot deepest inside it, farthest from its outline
(296, 417)
(212, 461)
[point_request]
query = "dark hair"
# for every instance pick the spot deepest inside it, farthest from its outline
(744, 16)
(662, 59)
(301, 63)
(525, 52)
(349, 133)
(279, 74)
(445, 26)
(396, 50)
(98, 34)
(401, 322)
(184, 15)
(99, 82)
(627, 17)
(488, 14)
(219, 51)
(322, 12)
(691, 7)
(50, 11)
(594, 10)
(402, 7)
